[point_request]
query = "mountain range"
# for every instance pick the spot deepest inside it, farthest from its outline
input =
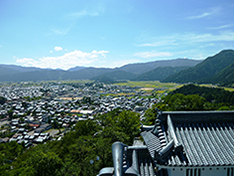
(127, 72)
(217, 69)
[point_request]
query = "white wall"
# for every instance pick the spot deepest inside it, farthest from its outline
(221, 171)
(214, 172)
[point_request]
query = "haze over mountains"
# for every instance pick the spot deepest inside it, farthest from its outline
(127, 72)
(215, 69)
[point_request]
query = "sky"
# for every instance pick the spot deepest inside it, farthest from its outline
(62, 34)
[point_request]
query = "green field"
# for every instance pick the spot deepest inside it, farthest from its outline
(149, 84)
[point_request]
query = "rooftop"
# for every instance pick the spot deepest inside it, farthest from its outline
(195, 139)
(192, 139)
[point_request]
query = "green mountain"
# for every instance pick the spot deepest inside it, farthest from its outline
(48, 74)
(114, 76)
(204, 71)
(216, 69)
(86, 73)
(44, 75)
(159, 73)
(211, 94)
(225, 76)
(140, 68)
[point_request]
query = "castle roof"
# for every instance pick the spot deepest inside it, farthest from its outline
(191, 139)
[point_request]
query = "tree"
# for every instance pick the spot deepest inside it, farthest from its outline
(2, 100)
(150, 116)
(10, 113)
(38, 162)
(180, 102)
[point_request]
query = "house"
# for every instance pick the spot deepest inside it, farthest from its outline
(181, 144)
(4, 140)
(43, 128)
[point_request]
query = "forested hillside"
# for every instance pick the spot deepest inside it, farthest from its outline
(159, 73)
(204, 71)
(89, 140)
(225, 77)
(217, 95)
(192, 98)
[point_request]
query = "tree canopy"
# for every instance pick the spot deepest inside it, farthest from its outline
(89, 140)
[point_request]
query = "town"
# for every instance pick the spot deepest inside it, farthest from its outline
(33, 114)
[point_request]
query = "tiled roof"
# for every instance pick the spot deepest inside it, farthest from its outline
(192, 139)
(146, 167)
(207, 144)
(130, 160)
(178, 139)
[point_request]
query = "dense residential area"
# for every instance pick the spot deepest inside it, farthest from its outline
(35, 114)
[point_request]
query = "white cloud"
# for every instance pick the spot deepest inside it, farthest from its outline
(208, 37)
(152, 54)
(66, 61)
(76, 15)
(190, 38)
(51, 51)
(61, 31)
(58, 48)
(200, 16)
(220, 27)
(164, 42)
(205, 14)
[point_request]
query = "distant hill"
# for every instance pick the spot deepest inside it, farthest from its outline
(76, 68)
(44, 75)
(139, 68)
(225, 76)
(21, 68)
(86, 73)
(211, 94)
(7, 71)
(204, 71)
(115, 76)
(218, 69)
(127, 72)
(159, 73)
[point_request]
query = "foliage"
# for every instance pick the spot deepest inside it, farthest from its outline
(89, 140)
(114, 76)
(33, 98)
(180, 102)
(159, 73)
(2, 100)
(150, 116)
(192, 98)
(216, 95)
(8, 153)
(208, 70)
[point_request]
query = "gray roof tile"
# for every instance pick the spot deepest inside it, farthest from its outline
(206, 141)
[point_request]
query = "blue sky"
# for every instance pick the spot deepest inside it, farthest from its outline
(110, 33)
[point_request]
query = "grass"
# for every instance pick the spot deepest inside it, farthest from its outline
(215, 86)
(148, 84)
(228, 89)
(116, 95)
